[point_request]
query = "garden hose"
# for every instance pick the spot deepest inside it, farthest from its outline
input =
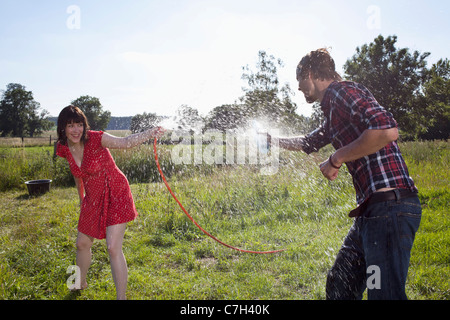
(192, 219)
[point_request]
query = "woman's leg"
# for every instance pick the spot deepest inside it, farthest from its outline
(84, 244)
(114, 239)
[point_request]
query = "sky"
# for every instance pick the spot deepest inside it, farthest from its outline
(154, 56)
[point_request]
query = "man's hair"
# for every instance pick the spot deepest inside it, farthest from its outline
(320, 64)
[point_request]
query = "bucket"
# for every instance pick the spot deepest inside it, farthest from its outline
(37, 187)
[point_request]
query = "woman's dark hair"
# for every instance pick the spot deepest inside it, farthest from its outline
(71, 114)
(320, 64)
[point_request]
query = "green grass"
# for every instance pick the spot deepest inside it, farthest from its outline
(169, 258)
(428, 163)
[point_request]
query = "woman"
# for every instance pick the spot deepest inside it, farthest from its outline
(106, 201)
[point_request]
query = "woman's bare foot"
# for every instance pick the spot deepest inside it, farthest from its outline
(82, 287)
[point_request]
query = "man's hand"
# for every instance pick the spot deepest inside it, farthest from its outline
(328, 170)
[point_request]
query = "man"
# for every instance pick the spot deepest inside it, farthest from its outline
(364, 134)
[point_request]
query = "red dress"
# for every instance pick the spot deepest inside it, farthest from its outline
(108, 200)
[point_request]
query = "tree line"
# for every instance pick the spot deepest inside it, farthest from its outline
(417, 96)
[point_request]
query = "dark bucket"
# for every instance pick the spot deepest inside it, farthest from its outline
(37, 187)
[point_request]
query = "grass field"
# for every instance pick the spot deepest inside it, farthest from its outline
(169, 258)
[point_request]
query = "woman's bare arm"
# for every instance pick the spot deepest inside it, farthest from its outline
(112, 142)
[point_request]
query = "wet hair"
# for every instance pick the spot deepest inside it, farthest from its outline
(320, 64)
(71, 114)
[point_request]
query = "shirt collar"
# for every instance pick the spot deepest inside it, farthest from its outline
(325, 104)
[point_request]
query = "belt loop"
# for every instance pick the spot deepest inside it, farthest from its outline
(397, 195)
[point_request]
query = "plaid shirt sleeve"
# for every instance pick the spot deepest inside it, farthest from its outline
(364, 109)
(316, 140)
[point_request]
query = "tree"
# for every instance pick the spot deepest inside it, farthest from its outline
(188, 118)
(396, 78)
(265, 79)
(229, 116)
(93, 110)
(19, 113)
(262, 98)
(265, 99)
(142, 122)
(436, 98)
(38, 122)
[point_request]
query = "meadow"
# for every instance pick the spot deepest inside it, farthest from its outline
(296, 209)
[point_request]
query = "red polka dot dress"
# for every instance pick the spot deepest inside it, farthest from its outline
(108, 200)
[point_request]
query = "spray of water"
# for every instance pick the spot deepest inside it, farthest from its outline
(259, 134)
(169, 123)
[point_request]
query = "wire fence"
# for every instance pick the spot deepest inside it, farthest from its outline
(27, 141)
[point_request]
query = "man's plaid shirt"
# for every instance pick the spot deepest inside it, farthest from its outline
(349, 109)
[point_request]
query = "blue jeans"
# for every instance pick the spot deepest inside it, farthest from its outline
(376, 253)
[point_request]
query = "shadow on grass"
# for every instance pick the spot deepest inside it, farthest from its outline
(72, 295)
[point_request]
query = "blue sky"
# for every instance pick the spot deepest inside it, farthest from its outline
(153, 56)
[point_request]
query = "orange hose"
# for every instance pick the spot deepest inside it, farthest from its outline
(192, 219)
